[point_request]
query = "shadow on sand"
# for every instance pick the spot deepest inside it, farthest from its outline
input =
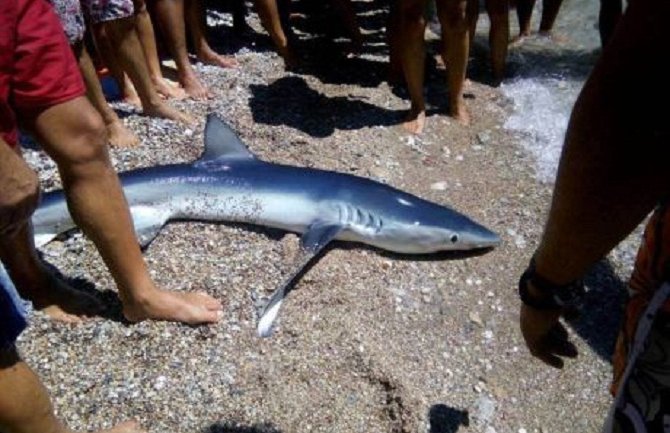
(290, 101)
(231, 427)
(445, 419)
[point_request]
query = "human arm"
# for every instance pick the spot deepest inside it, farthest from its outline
(613, 169)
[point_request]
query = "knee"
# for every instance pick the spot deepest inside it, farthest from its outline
(88, 143)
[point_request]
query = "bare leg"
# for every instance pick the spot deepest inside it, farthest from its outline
(145, 32)
(170, 14)
(37, 283)
(128, 51)
(18, 198)
(394, 39)
(103, 45)
(25, 406)
(195, 17)
(119, 135)
(456, 39)
(498, 11)
(347, 14)
(270, 18)
(240, 25)
(412, 56)
(524, 12)
(72, 133)
(550, 10)
(610, 13)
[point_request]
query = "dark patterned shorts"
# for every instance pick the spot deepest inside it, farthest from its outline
(70, 16)
(99, 11)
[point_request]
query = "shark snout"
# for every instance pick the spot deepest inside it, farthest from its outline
(480, 237)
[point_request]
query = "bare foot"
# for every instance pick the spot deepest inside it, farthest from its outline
(169, 89)
(120, 136)
(460, 114)
(415, 122)
(165, 111)
(290, 58)
(518, 40)
(125, 427)
(195, 89)
(555, 37)
(209, 57)
(133, 99)
(56, 298)
(129, 94)
(185, 307)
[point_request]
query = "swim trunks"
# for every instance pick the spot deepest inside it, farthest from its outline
(12, 311)
(642, 356)
(37, 67)
(71, 18)
(99, 11)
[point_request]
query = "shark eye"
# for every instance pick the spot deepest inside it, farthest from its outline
(454, 238)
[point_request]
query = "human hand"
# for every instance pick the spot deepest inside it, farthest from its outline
(545, 336)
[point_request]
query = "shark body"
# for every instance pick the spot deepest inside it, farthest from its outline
(228, 183)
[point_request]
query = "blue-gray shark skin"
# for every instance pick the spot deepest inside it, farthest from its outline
(228, 183)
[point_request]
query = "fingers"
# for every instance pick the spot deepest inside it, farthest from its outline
(554, 346)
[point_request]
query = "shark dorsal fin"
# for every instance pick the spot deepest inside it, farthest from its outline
(222, 142)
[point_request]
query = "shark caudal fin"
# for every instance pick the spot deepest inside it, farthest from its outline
(222, 142)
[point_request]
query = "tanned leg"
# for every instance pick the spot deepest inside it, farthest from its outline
(524, 12)
(130, 55)
(550, 10)
(145, 32)
(195, 18)
(456, 40)
(610, 13)
(25, 406)
(413, 58)
(170, 15)
(119, 135)
(271, 20)
(73, 134)
(498, 11)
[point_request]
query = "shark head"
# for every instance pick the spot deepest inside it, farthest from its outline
(418, 226)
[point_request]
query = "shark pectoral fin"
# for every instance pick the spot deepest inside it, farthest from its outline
(148, 222)
(313, 241)
(318, 235)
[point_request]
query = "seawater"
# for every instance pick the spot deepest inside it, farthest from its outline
(545, 78)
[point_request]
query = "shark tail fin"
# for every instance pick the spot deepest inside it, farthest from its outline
(221, 142)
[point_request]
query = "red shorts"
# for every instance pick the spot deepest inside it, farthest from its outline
(37, 67)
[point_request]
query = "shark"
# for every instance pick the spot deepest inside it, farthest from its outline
(228, 183)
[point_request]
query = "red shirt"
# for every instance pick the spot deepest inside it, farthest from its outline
(37, 67)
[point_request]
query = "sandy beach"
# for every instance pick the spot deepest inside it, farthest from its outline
(368, 341)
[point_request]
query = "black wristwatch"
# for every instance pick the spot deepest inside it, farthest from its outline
(555, 296)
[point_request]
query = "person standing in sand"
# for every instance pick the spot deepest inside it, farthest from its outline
(40, 82)
(72, 20)
(113, 25)
(453, 15)
(524, 12)
(25, 406)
